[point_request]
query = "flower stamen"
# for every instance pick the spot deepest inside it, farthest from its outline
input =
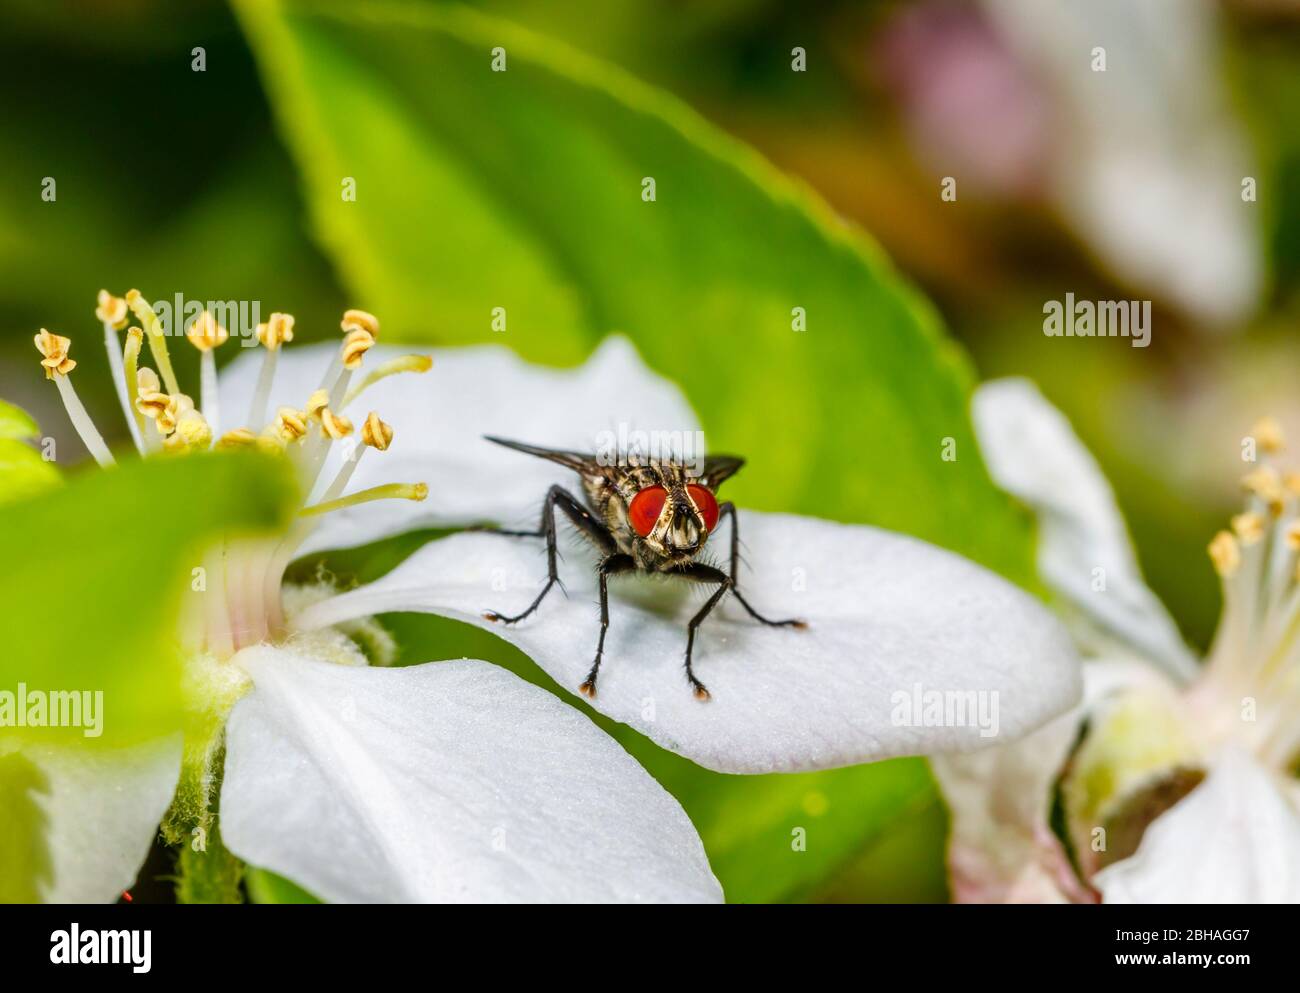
(274, 333)
(157, 340)
(1225, 554)
(388, 491)
(1268, 435)
(130, 377)
(238, 438)
(291, 424)
(112, 313)
(54, 359)
(355, 346)
(111, 310)
(207, 335)
(403, 363)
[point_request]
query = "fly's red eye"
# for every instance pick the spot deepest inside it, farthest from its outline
(645, 508)
(707, 504)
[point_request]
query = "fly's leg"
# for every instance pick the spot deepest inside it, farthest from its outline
(557, 497)
(701, 573)
(729, 509)
(611, 565)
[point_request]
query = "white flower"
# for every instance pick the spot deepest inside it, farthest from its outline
(1148, 133)
(1182, 788)
(452, 781)
(457, 780)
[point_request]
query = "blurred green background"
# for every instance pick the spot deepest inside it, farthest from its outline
(222, 184)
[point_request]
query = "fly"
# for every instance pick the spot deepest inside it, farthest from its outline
(649, 516)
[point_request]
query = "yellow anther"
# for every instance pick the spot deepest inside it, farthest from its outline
(1292, 535)
(361, 320)
(1291, 482)
(111, 310)
(205, 333)
(1261, 480)
(376, 433)
(1267, 433)
(333, 425)
(355, 345)
(192, 431)
(271, 441)
(54, 353)
(150, 400)
(1248, 527)
(238, 438)
(1266, 484)
(317, 403)
(291, 424)
(1225, 554)
(178, 404)
(276, 331)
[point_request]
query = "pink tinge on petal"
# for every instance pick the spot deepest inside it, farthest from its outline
(969, 104)
(1046, 876)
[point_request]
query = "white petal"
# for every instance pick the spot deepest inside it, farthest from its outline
(1147, 137)
(447, 782)
(1233, 839)
(889, 617)
(1001, 848)
(102, 808)
(1033, 453)
(439, 419)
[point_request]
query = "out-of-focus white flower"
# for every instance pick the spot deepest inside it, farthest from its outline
(1182, 788)
(1113, 111)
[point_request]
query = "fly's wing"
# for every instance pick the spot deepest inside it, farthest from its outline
(719, 468)
(585, 465)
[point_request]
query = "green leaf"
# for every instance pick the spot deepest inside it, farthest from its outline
(16, 423)
(265, 886)
(24, 856)
(523, 190)
(96, 573)
(23, 473)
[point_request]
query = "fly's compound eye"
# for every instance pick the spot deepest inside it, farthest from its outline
(706, 503)
(645, 508)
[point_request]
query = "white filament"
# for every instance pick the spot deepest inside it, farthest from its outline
(209, 400)
(90, 435)
(114, 348)
(262, 395)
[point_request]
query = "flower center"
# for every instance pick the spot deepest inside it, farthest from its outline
(242, 577)
(1250, 688)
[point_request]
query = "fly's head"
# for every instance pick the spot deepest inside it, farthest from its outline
(660, 512)
(662, 515)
